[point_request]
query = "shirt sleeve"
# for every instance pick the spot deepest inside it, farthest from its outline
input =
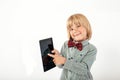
(81, 67)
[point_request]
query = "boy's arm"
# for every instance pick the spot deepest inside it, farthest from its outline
(80, 67)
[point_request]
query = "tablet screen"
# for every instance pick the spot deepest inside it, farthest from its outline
(46, 46)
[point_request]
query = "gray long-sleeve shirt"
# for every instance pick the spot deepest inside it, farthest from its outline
(78, 63)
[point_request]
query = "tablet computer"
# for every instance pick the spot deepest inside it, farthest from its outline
(46, 46)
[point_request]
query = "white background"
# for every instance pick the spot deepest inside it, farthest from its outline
(24, 22)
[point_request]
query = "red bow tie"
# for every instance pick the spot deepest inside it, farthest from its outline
(73, 44)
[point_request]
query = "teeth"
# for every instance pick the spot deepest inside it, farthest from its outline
(77, 34)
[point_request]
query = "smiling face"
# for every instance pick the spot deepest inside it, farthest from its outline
(78, 33)
(78, 27)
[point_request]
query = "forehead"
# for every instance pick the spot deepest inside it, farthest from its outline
(73, 22)
(74, 26)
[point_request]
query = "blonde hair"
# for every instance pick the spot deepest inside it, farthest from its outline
(81, 20)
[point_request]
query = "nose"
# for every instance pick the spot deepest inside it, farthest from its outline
(74, 30)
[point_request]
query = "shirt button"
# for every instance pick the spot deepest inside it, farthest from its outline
(71, 57)
(80, 54)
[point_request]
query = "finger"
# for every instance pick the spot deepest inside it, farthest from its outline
(55, 51)
(54, 61)
(51, 55)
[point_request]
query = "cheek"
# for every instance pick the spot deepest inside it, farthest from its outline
(83, 30)
(71, 34)
(85, 33)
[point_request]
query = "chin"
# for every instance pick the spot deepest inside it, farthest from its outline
(77, 39)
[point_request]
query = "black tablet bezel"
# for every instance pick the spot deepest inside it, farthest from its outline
(46, 46)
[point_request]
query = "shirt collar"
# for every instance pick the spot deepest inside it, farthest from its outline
(85, 42)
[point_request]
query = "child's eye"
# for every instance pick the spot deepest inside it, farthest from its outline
(78, 25)
(70, 29)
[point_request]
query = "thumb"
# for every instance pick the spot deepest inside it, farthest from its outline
(51, 55)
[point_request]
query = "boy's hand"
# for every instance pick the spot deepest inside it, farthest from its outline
(57, 58)
(56, 52)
